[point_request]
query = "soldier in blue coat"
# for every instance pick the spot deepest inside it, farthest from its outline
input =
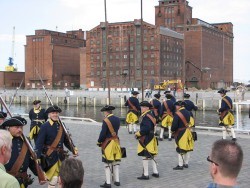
(134, 111)
(167, 114)
(20, 159)
(156, 108)
(226, 114)
(3, 115)
(189, 107)
(37, 116)
(183, 136)
(148, 145)
(109, 142)
(49, 145)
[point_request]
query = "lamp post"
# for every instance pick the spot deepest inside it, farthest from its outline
(107, 52)
(142, 67)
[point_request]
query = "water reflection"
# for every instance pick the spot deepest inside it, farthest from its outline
(203, 118)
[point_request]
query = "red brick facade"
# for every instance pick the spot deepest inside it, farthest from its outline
(11, 80)
(162, 48)
(208, 47)
(56, 56)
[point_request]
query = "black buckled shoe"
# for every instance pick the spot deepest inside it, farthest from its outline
(117, 183)
(185, 165)
(178, 167)
(234, 139)
(130, 132)
(156, 175)
(105, 185)
(143, 177)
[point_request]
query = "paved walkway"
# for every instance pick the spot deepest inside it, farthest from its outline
(197, 175)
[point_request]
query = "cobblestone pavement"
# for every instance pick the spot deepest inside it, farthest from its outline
(197, 175)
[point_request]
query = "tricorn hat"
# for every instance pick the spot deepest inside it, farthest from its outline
(135, 92)
(222, 91)
(146, 104)
(186, 95)
(35, 102)
(3, 115)
(180, 103)
(14, 121)
(107, 108)
(157, 95)
(53, 108)
(165, 92)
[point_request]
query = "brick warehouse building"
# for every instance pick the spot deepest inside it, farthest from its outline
(11, 80)
(56, 56)
(208, 47)
(163, 55)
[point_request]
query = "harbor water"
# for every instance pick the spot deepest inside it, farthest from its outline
(203, 118)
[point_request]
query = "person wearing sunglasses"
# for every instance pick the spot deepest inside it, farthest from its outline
(225, 163)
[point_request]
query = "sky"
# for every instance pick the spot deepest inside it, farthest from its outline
(65, 15)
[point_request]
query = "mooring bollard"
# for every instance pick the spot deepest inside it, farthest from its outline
(85, 101)
(94, 101)
(203, 104)
(20, 100)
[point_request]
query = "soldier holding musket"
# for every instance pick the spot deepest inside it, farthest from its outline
(37, 116)
(20, 159)
(49, 145)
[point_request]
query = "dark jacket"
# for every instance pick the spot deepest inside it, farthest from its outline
(17, 143)
(224, 105)
(46, 137)
(135, 102)
(105, 133)
(41, 115)
(170, 105)
(190, 106)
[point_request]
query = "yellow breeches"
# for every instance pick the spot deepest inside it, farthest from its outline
(34, 131)
(112, 152)
(131, 118)
(191, 122)
(167, 121)
(151, 147)
(186, 142)
(54, 170)
(228, 119)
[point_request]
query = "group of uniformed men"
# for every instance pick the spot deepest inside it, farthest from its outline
(49, 136)
(176, 117)
(49, 139)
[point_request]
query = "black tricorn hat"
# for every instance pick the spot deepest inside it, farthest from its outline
(169, 96)
(107, 108)
(3, 115)
(135, 92)
(222, 91)
(35, 102)
(165, 92)
(146, 104)
(186, 95)
(180, 103)
(157, 95)
(53, 108)
(14, 121)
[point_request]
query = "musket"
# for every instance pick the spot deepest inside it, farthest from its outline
(40, 173)
(67, 134)
(145, 148)
(14, 96)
